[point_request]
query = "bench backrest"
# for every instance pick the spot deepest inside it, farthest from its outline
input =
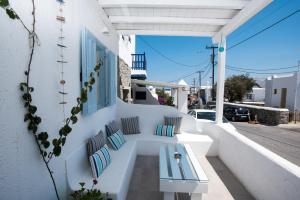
(152, 115)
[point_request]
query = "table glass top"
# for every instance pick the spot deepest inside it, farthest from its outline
(175, 163)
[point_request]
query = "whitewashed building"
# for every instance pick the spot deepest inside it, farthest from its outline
(283, 91)
(256, 95)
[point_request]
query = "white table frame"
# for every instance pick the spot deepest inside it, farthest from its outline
(186, 177)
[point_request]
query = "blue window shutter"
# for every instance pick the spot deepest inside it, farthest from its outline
(107, 78)
(102, 81)
(113, 78)
(88, 62)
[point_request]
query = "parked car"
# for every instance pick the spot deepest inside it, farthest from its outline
(205, 114)
(237, 114)
(211, 105)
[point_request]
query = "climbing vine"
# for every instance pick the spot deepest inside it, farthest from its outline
(31, 117)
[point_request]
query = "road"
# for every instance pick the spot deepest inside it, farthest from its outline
(283, 142)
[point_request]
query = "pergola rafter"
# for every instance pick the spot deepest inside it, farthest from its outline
(202, 18)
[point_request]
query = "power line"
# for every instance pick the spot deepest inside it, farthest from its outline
(253, 72)
(188, 75)
(269, 69)
(265, 17)
(263, 30)
(166, 57)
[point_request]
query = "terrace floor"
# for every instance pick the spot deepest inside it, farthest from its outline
(223, 184)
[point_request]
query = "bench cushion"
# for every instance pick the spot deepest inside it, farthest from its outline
(117, 140)
(95, 143)
(99, 161)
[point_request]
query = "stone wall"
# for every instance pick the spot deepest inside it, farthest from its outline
(124, 81)
(265, 115)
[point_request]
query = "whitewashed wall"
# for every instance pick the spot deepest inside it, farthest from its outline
(265, 175)
(278, 82)
(126, 48)
(23, 175)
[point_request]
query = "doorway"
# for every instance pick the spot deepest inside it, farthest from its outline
(283, 98)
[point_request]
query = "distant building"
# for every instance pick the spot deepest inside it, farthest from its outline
(256, 95)
(283, 91)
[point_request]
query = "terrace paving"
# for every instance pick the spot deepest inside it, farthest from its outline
(223, 184)
(282, 140)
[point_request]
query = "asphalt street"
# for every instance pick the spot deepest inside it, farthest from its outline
(281, 141)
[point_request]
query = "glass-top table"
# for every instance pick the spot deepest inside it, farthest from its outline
(180, 171)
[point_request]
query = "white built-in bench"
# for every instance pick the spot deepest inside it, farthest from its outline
(116, 177)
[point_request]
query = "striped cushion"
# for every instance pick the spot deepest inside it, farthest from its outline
(117, 140)
(111, 128)
(99, 161)
(174, 121)
(164, 130)
(95, 143)
(130, 125)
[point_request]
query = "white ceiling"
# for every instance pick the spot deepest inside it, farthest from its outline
(211, 18)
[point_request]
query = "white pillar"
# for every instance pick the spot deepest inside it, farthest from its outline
(182, 99)
(221, 82)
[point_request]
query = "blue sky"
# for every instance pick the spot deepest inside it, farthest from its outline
(275, 48)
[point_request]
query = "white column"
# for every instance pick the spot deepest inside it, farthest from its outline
(182, 99)
(221, 82)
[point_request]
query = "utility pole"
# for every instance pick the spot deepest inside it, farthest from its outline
(194, 85)
(296, 93)
(200, 80)
(213, 70)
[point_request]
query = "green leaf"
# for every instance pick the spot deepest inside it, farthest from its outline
(27, 97)
(86, 84)
(27, 117)
(11, 13)
(64, 131)
(74, 119)
(45, 153)
(82, 184)
(46, 144)
(75, 110)
(55, 142)
(56, 151)
(43, 136)
(32, 109)
(4, 3)
(63, 141)
(37, 120)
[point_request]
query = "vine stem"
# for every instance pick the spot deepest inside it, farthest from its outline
(33, 36)
(48, 167)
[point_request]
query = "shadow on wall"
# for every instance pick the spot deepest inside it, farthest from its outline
(143, 96)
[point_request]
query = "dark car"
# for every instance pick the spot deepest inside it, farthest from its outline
(211, 105)
(237, 114)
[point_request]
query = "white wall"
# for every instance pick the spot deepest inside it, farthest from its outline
(23, 175)
(126, 48)
(265, 175)
(279, 82)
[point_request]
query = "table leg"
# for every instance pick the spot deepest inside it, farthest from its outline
(168, 195)
(196, 196)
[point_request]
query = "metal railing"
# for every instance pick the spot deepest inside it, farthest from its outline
(139, 61)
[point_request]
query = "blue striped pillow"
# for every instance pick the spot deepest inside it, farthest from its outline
(164, 130)
(117, 140)
(99, 161)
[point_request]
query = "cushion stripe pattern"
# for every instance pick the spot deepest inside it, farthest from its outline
(117, 140)
(95, 143)
(99, 161)
(164, 130)
(111, 128)
(174, 121)
(130, 125)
